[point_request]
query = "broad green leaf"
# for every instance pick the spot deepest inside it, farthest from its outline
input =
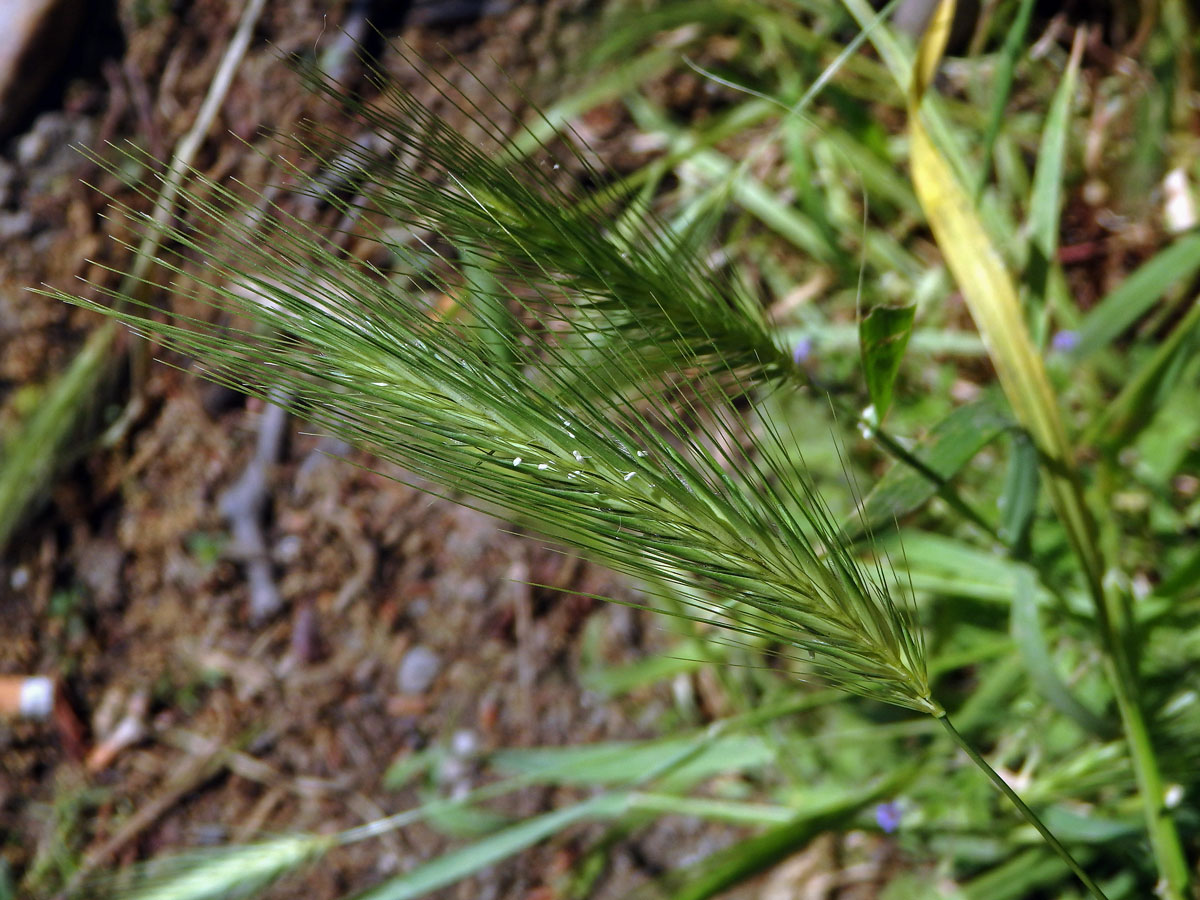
(948, 566)
(883, 335)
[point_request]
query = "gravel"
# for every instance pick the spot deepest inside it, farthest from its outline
(418, 670)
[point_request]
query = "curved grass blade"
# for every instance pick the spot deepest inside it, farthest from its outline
(1002, 83)
(1134, 296)
(1044, 276)
(1030, 639)
(459, 864)
(1021, 483)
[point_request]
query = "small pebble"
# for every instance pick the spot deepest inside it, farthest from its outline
(418, 670)
(19, 579)
(31, 147)
(15, 224)
(49, 131)
(465, 743)
(288, 548)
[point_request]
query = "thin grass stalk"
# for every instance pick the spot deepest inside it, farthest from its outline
(1028, 814)
(992, 299)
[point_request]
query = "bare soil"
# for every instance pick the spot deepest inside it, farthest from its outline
(201, 727)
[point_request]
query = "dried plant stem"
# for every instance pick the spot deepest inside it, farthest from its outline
(1029, 815)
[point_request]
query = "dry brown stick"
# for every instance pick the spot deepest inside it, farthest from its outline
(193, 774)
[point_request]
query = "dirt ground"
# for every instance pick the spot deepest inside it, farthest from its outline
(406, 621)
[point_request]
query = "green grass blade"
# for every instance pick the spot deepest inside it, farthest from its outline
(944, 452)
(1045, 201)
(1001, 84)
(1145, 394)
(35, 453)
(224, 874)
(466, 861)
(1136, 295)
(750, 858)
(687, 760)
(1018, 878)
(1006, 789)
(1020, 494)
(883, 336)
(1035, 652)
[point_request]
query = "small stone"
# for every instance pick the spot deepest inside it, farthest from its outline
(465, 743)
(15, 224)
(288, 549)
(418, 670)
(31, 147)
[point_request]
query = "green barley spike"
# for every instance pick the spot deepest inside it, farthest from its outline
(618, 422)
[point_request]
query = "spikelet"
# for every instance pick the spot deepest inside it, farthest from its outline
(225, 873)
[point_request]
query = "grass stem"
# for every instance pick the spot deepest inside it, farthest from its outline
(1168, 852)
(1029, 815)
